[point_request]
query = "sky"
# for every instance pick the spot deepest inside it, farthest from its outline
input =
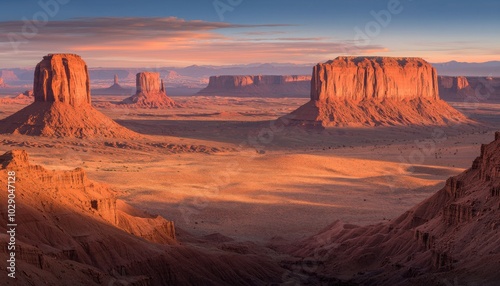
(126, 33)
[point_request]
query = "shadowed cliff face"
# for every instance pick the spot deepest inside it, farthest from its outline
(62, 78)
(468, 89)
(374, 78)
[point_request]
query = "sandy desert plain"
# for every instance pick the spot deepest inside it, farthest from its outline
(344, 188)
(253, 180)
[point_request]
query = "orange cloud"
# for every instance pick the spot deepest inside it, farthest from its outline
(171, 41)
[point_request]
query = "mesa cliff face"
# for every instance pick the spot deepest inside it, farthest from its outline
(258, 86)
(375, 91)
(453, 235)
(2, 83)
(374, 78)
(62, 106)
(150, 92)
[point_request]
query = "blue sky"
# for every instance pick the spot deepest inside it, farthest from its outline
(180, 33)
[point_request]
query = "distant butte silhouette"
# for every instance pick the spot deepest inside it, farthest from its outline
(62, 106)
(258, 86)
(114, 89)
(375, 91)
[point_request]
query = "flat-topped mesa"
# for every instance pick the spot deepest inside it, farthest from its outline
(62, 78)
(246, 80)
(375, 91)
(258, 86)
(374, 78)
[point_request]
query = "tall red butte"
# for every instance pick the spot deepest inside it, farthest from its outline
(150, 92)
(62, 106)
(375, 91)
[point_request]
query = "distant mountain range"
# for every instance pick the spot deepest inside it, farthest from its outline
(196, 76)
(454, 68)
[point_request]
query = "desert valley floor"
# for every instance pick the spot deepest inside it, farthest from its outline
(218, 165)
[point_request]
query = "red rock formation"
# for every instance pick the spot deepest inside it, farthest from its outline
(258, 86)
(62, 78)
(29, 93)
(452, 235)
(2, 84)
(75, 231)
(150, 92)
(371, 91)
(374, 78)
(24, 98)
(62, 104)
(455, 88)
(93, 199)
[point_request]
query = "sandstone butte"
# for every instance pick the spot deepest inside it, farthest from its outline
(375, 91)
(74, 230)
(455, 88)
(258, 85)
(62, 106)
(150, 92)
(452, 235)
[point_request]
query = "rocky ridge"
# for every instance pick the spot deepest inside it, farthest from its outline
(452, 236)
(71, 229)
(258, 86)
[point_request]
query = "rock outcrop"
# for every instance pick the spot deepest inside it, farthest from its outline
(24, 98)
(62, 78)
(455, 88)
(150, 92)
(376, 78)
(72, 230)
(2, 83)
(62, 106)
(469, 89)
(371, 91)
(258, 86)
(452, 236)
